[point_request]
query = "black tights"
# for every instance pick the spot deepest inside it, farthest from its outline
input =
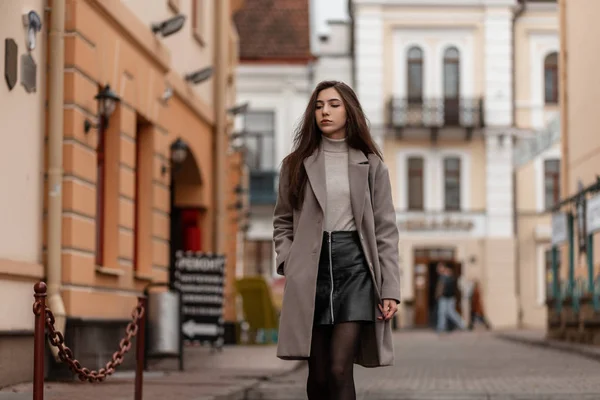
(331, 362)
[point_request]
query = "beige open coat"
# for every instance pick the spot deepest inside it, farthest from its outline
(298, 234)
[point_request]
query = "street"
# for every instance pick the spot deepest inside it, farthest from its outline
(469, 366)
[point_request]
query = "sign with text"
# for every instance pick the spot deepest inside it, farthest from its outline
(200, 277)
(445, 223)
(593, 214)
(560, 231)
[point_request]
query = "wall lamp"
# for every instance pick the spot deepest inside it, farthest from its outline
(199, 76)
(169, 26)
(241, 109)
(179, 152)
(33, 23)
(107, 103)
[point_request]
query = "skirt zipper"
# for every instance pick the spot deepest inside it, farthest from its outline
(331, 275)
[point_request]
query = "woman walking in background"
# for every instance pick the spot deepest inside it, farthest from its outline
(477, 313)
(336, 241)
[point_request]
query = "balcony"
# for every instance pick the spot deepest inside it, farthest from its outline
(433, 114)
(263, 187)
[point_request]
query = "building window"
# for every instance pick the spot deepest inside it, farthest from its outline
(451, 73)
(551, 183)
(551, 78)
(415, 184)
(415, 75)
(451, 86)
(452, 184)
(259, 128)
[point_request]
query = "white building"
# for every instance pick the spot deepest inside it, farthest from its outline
(439, 81)
(275, 77)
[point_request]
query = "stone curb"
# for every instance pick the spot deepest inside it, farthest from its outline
(579, 349)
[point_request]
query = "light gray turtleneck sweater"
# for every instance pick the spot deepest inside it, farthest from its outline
(338, 213)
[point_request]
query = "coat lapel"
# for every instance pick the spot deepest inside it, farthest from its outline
(315, 170)
(358, 174)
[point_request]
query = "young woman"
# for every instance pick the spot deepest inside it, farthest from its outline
(336, 241)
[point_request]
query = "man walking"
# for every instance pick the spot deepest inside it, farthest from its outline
(446, 295)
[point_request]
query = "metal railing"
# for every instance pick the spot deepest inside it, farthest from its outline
(44, 320)
(436, 112)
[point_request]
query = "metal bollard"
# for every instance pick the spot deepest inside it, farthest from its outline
(140, 349)
(39, 336)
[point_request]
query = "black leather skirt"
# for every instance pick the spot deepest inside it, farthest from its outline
(345, 289)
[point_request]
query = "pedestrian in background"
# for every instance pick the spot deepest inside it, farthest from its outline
(446, 294)
(336, 241)
(477, 313)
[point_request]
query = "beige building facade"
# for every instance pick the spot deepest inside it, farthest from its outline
(22, 165)
(450, 88)
(574, 305)
(537, 153)
(98, 203)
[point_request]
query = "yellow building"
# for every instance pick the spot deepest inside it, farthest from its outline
(537, 152)
(450, 88)
(111, 218)
(573, 305)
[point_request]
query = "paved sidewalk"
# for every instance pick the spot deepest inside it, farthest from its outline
(225, 375)
(537, 337)
(460, 366)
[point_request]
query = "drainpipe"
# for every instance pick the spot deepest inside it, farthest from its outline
(55, 162)
(520, 10)
(221, 70)
(563, 98)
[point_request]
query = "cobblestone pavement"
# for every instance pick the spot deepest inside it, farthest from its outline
(461, 366)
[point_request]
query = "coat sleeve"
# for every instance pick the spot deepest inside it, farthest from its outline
(386, 234)
(283, 222)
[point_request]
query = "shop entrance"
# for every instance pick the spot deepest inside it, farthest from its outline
(426, 279)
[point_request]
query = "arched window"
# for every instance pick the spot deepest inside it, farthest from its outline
(451, 73)
(451, 86)
(415, 74)
(551, 78)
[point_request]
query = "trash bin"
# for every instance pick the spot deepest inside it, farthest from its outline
(164, 327)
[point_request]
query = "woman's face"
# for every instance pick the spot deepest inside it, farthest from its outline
(330, 114)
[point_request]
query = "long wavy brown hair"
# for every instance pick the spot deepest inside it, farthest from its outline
(307, 137)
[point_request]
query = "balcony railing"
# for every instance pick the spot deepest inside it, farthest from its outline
(263, 187)
(436, 113)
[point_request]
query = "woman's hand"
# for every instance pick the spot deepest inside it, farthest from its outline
(388, 309)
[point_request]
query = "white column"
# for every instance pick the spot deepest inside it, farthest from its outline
(499, 185)
(369, 66)
(498, 66)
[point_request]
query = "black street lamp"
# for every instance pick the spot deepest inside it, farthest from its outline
(179, 151)
(107, 103)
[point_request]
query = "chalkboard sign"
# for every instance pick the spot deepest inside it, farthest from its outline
(200, 277)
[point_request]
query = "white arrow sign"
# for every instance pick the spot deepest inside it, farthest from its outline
(191, 328)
